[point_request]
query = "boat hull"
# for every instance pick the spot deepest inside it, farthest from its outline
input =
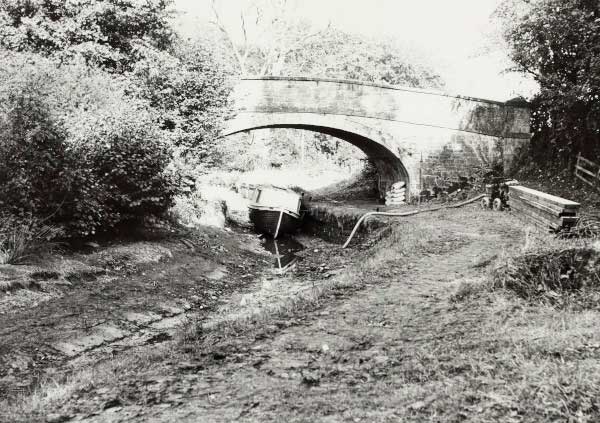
(266, 221)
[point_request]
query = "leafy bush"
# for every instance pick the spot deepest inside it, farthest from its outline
(78, 151)
(189, 88)
(32, 146)
(103, 33)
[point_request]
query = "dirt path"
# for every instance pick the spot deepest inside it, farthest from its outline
(393, 349)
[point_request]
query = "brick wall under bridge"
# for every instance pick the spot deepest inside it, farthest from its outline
(411, 135)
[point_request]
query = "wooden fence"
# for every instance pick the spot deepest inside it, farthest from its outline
(587, 171)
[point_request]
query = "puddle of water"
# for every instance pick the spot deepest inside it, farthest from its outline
(284, 252)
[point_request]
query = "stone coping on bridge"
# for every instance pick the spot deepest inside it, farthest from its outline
(523, 104)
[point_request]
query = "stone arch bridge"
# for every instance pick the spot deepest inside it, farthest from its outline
(413, 135)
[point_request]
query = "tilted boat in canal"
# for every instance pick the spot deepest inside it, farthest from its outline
(275, 210)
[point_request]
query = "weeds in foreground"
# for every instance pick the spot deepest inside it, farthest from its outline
(588, 226)
(560, 277)
(55, 390)
(469, 289)
(21, 239)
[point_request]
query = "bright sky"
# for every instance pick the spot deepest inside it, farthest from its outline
(451, 34)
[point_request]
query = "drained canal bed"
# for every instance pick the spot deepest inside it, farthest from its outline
(284, 251)
(334, 222)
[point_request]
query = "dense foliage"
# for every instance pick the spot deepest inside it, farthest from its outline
(101, 107)
(183, 80)
(76, 150)
(558, 43)
(189, 89)
(106, 33)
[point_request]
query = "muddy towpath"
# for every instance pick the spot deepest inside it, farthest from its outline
(69, 311)
(386, 331)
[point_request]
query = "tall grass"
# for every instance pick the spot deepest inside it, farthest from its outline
(21, 239)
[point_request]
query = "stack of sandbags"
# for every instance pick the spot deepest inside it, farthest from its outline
(396, 195)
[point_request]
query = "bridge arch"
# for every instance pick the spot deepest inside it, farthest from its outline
(373, 142)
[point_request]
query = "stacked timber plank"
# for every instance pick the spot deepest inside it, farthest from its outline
(547, 211)
(396, 196)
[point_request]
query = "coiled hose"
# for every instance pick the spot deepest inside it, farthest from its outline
(410, 213)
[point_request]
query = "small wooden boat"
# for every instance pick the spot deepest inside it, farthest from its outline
(275, 211)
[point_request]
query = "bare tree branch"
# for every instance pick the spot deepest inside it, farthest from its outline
(276, 37)
(219, 23)
(243, 20)
(277, 58)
